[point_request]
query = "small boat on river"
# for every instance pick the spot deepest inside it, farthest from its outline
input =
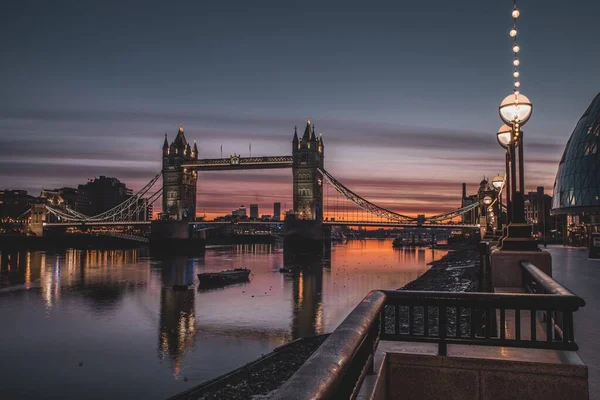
(224, 277)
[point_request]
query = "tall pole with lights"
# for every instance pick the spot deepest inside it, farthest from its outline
(498, 184)
(515, 110)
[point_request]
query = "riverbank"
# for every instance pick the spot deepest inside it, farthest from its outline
(65, 241)
(257, 379)
(457, 271)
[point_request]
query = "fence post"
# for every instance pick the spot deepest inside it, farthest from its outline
(484, 266)
(442, 347)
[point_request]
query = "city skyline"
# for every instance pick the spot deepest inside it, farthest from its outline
(406, 96)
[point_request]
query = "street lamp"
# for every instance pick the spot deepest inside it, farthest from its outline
(487, 200)
(504, 136)
(498, 183)
(515, 110)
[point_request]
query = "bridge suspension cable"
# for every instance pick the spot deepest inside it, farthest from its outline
(391, 215)
(121, 212)
(452, 214)
(363, 203)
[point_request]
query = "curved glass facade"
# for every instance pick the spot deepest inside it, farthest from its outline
(577, 184)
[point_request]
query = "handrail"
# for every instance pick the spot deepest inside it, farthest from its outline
(483, 299)
(337, 368)
(548, 284)
(323, 373)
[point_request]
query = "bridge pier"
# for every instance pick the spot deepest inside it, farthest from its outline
(305, 236)
(173, 237)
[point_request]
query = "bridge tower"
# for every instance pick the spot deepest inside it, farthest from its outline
(38, 217)
(179, 184)
(308, 156)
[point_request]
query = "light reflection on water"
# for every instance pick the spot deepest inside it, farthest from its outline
(117, 313)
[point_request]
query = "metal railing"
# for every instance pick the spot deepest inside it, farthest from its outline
(336, 369)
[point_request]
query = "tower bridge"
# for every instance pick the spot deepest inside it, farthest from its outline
(180, 167)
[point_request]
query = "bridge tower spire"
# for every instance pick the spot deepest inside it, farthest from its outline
(179, 184)
(308, 157)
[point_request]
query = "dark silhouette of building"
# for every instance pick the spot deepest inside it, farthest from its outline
(309, 156)
(179, 184)
(577, 184)
(537, 211)
(276, 211)
(13, 203)
(253, 211)
(100, 194)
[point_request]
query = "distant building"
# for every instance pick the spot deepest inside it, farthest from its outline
(577, 188)
(13, 203)
(537, 211)
(100, 194)
(276, 211)
(240, 212)
(253, 211)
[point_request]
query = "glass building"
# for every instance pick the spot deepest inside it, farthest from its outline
(577, 184)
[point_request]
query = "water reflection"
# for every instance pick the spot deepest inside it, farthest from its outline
(307, 281)
(177, 326)
(98, 275)
(132, 318)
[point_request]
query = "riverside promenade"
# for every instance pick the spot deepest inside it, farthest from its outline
(572, 268)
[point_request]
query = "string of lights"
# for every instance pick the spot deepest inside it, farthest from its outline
(516, 49)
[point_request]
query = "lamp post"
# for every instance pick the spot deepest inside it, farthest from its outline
(487, 200)
(504, 137)
(498, 183)
(515, 110)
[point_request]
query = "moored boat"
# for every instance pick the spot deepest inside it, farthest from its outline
(224, 277)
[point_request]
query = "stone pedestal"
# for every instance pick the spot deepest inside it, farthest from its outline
(506, 268)
(415, 371)
(519, 238)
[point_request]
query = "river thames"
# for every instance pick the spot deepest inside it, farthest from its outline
(101, 324)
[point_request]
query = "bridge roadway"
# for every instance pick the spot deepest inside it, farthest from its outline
(326, 223)
(237, 163)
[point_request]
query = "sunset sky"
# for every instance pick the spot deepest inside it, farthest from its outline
(404, 93)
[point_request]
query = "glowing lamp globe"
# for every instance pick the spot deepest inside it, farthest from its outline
(487, 200)
(504, 136)
(498, 182)
(515, 109)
